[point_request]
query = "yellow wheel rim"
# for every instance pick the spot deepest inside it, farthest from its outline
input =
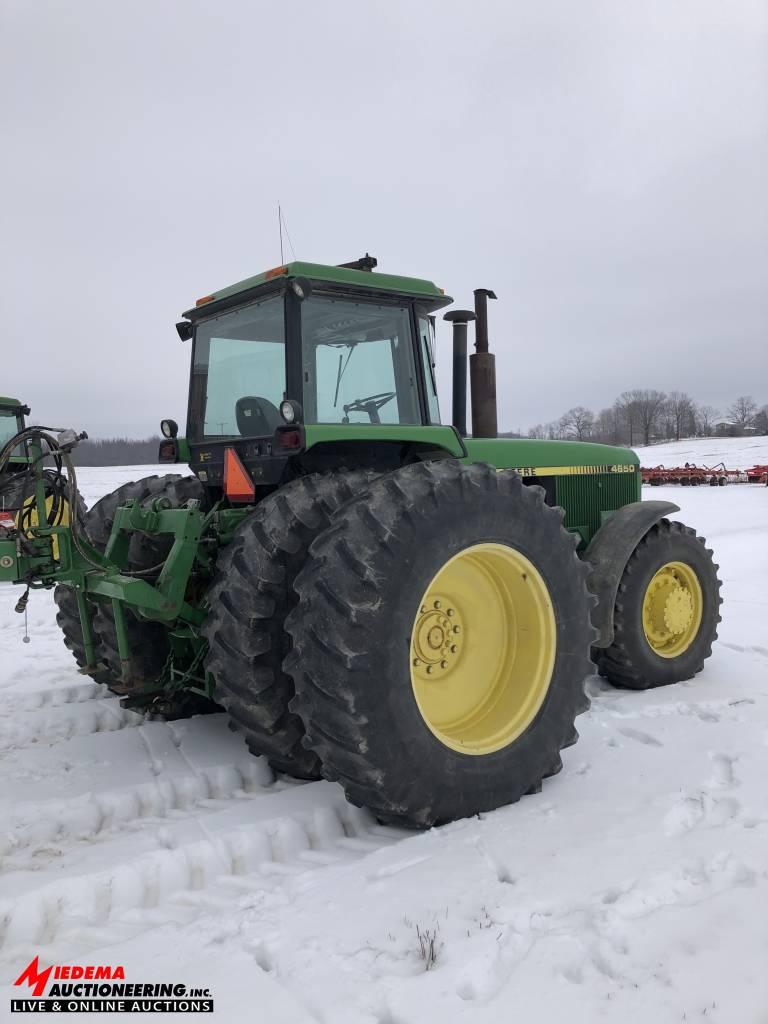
(483, 648)
(672, 609)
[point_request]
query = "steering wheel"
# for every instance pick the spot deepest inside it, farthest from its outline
(371, 405)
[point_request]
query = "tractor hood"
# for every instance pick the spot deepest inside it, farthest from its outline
(551, 458)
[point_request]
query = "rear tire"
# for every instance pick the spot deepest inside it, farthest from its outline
(363, 630)
(632, 661)
(148, 640)
(249, 599)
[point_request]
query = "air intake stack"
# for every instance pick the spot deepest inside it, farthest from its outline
(459, 318)
(482, 372)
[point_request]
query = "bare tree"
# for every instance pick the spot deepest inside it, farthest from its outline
(628, 411)
(646, 404)
(608, 426)
(742, 412)
(705, 416)
(760, 421)
(680, 408)
(638, 415)
(578, 423)
(556, 430)
(640, 410)
(619, 429)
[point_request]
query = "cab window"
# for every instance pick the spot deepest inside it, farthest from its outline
(427, 344)
(357, 363)
(238, 373)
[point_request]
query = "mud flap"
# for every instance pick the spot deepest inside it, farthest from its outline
(608, 554)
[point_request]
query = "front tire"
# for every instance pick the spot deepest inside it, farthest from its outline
(667, 611)
(421, 551)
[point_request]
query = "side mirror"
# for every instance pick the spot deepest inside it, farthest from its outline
(184, 330)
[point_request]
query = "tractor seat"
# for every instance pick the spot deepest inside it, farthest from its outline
(256, 416)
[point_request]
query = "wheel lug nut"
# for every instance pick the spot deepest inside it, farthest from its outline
(437, 604)
(457, 629)
(429, 670)
(416, 662)
(450, 611)
(423, 609)
(443, 664)
(454, 648)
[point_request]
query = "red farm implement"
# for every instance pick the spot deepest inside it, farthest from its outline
(691, 475)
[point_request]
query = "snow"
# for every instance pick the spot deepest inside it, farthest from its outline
(735, 452)
(633, 888)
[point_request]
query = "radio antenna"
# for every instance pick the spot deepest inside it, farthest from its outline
(282, 225)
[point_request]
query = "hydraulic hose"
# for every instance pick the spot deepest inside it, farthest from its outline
(61, 486)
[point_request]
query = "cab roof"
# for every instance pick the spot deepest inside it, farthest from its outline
(335, 278)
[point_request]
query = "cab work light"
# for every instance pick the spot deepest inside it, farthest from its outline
(238, 485)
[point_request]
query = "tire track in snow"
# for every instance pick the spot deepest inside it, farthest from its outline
(53, 697)
(46, 724)
(31, 828)
(188, 874)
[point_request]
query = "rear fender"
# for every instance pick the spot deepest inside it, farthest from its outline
(610, 550)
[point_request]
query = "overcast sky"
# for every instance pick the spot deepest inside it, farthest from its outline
(601, 165)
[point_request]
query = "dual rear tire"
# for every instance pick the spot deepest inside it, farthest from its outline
(250, 598)
(422, 638)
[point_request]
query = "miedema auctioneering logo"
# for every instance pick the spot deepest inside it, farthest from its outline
(102, 988)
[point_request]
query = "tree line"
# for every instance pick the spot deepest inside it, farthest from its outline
(641, 416)
(117, 451)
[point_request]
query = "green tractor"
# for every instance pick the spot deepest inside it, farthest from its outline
(373, 596)
(12, 413)
(18, 508)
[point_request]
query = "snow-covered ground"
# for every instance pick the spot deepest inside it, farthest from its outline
(634, 888)
(735, 452)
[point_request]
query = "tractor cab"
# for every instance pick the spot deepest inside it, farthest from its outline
(307, 345)
(12, 414)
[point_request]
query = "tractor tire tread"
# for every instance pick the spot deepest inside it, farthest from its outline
(338, 637)
(250, 596)
(617, 663)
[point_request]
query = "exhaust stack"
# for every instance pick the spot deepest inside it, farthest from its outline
(482, 372)
(459, 318)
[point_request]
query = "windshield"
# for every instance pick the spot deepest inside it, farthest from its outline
(357, 363)
(10, 423)
(238, 373)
